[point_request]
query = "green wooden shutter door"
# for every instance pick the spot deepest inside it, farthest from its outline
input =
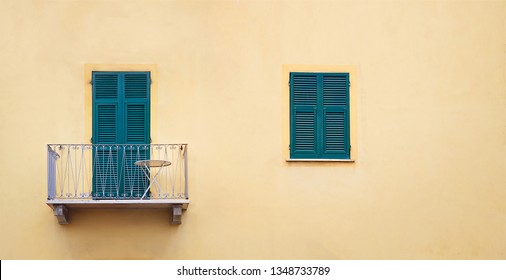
(106, 130)
(335, 93)
(120, 116)
(136, 130)
(303, 117)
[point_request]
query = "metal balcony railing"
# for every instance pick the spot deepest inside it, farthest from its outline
(100, 172)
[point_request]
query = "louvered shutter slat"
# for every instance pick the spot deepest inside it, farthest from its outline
(136, 123)
(105, 86)
(335, 131)
(107, 115)
(305, 131)
(335, 90)
(136, 85)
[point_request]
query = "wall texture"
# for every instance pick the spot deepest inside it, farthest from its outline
(428, 182)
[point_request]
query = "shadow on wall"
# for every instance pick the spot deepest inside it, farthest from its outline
(120, 234)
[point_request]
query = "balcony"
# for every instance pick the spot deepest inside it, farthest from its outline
(118, 176)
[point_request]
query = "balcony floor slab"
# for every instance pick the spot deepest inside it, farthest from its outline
(119, 204)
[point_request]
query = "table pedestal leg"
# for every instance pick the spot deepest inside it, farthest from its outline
(151, 182)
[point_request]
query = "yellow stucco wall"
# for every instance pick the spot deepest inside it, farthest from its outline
(429, 176)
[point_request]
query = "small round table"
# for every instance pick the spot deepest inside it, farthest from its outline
(146, 166)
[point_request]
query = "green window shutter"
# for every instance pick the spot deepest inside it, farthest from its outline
(137, 108)
(121, 115)
(303, 115)
(335, 93)
(319, 116)
(121, 107)
(105, 108)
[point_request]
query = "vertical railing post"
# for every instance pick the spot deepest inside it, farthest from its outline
(186, 172)
(51, 173)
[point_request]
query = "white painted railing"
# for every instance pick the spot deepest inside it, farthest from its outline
(108, 171)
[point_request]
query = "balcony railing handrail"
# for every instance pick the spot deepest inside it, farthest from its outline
(107, 171)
